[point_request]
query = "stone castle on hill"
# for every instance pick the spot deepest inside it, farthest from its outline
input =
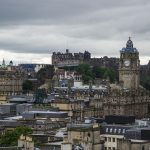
(69, 59)
(74, 59)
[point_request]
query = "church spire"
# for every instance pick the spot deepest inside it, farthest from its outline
(3, 63)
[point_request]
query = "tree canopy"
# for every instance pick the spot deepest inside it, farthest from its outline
(86, 71)
(90, 73)
(27, 86)
(10, 138)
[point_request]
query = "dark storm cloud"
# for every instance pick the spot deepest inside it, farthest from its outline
(102, 26)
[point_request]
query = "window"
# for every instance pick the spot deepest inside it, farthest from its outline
(109, 139)
(114, 140)
(88, 134)
(114, 148)
(106, 129)
(111, 130)
(119, 130)
(123, 130)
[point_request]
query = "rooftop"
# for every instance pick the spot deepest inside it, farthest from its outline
(129, 47)
(115, 129)
(82, 126)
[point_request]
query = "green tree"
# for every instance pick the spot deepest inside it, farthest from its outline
(10, 138)
(98, 71)
(27, 86)
(86, 71)
(105, 73)
(111, 74)
(90, 73)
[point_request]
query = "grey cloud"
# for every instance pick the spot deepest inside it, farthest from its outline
(56, 11)
(36, 26)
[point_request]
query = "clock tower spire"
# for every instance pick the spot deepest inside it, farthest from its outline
(129, 66)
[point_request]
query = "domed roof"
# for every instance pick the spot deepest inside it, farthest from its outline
(129, 47)
(129, 43)
(11, 62)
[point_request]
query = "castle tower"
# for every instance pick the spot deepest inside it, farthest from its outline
(129, 66)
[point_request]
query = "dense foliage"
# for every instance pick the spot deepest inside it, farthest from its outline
(146, 84)
(86, 72)
(105, 73)
(10, 138)
(145, 81)
(27, 86)
(90, 73)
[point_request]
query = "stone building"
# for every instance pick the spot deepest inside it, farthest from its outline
(126, 144)
(135, 139)
(25, 142)
(110, 62)
(111, 134)
(122, 102)
(10, 86)
(81, 102)
(126, 98)
(69, 59)
(102, 103)
(82, 136)
(129, 66)
(10, 79)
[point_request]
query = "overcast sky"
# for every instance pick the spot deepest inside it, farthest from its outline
(30, 30)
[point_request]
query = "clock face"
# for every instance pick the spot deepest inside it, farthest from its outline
(126, 62)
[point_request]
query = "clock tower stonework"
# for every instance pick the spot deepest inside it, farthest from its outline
(129, 66)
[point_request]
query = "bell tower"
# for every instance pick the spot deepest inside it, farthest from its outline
(129, 65)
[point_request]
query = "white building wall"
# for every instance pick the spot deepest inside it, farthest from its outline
(111, 141)
(66, 146)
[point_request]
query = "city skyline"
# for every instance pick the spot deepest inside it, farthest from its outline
(31, 30)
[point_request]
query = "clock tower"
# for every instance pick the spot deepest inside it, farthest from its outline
(129, 66)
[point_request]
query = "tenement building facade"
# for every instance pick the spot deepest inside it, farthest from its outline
(10, 79)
